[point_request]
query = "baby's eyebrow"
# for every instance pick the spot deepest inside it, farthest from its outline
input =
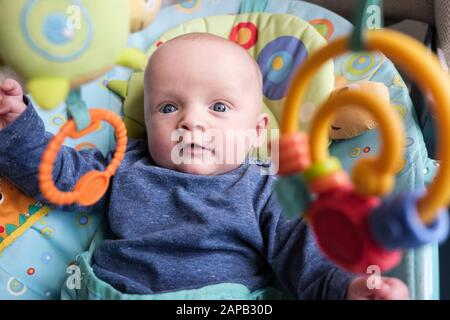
(219, 89)
(161, 92)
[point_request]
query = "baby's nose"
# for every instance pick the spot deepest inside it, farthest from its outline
(192, 122)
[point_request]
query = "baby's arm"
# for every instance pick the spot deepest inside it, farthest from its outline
(22, 142)
(294, 256)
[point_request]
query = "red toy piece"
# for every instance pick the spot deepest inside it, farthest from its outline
(339, 219)
(336, 180)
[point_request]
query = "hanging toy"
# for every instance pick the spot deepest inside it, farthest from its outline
(353, 225)
(94, 184)
(59, 45)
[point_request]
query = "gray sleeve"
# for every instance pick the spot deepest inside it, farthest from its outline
(292, 252)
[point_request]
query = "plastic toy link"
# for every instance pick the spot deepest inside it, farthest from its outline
(353, 226)
(94, 184)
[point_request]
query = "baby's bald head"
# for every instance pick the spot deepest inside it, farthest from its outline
(192, 45)
(207, 38)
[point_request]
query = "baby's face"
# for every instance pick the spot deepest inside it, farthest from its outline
(203, 106)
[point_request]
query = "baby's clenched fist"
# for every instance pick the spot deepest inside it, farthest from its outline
(11, 102)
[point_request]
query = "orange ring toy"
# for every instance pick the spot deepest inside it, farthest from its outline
(94, 184)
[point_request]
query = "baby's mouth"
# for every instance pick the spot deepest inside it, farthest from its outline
(195, 148)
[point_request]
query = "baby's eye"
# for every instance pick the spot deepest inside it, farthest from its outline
(219, 107)
(2, 198)
(168, 108)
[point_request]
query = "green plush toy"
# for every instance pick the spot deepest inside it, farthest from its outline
(132, 92)
(59, 45)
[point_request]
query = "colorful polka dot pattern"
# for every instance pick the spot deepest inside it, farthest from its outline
(361, 65)
(245, 34)
(189, 6)
(36, 275)
(356, 152)
(324, 26)
(278, 61)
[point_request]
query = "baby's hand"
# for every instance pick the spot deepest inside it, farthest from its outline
(294, 155)
(389, 289)
(11, 102)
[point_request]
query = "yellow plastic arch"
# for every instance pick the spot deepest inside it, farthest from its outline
(377, 173)
(421, 66)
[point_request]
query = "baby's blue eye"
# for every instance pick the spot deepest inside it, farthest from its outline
(219, 107)
(168, 108)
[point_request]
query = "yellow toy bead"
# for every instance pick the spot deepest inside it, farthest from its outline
(369, 181)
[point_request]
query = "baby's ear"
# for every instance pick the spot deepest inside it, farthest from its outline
(261, 129)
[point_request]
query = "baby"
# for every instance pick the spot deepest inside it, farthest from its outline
(184, 214)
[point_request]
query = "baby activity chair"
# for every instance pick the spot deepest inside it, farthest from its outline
(39, 245)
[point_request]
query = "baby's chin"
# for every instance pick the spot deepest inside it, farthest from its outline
(198, 169)
(205, 169)
(205, 166)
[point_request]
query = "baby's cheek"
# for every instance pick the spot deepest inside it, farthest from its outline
(160, 145)
(236, 146)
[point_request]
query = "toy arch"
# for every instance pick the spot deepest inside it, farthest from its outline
(411, 56)
(93, 185)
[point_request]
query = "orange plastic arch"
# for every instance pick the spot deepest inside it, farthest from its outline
(371, 175)
(93, 185)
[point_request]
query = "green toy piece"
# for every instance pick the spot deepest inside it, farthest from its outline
(293, 194)
(59, 45)
(78, 110)
(132, 92)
